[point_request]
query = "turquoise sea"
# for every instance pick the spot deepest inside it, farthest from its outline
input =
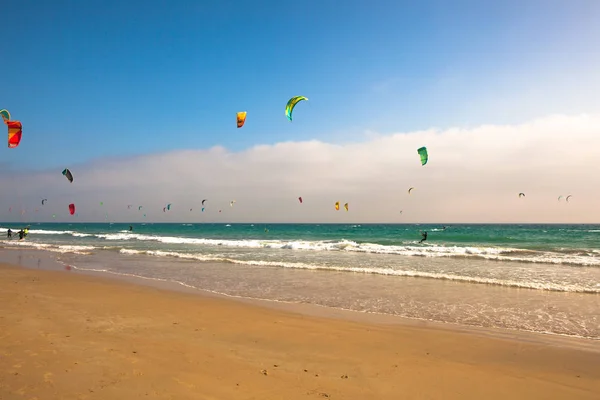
(542, 278)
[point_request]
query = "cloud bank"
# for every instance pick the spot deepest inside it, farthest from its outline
(473, 175)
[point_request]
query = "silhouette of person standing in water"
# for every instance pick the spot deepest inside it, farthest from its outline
(424, 234)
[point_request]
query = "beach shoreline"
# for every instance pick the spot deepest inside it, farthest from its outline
(46, 260)
(74, 335)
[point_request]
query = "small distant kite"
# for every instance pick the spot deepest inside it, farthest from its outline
(423, 154)
(68, 174)
(300, 200)
(521, 195)
(44, 201)
(410, 190)
(567, 199)
(560, 198)
(5, 115)
(291, 104)
(204, 201)
(346, 206)
(337, 205)
(231, 203)
(241, 118)
(72, 208)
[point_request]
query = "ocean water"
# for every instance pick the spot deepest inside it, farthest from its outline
(541, 278)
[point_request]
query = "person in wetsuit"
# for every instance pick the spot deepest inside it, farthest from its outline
(424, 234)
(21, 234)
(9, 233)
(130, 228)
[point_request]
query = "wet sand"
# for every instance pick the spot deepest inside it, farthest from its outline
(65, 335)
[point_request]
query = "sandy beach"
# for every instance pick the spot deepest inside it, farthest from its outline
(74, 336)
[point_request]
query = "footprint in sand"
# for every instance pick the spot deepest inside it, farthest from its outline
(48, 378)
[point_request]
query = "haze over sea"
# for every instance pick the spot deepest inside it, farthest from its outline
(542, 278)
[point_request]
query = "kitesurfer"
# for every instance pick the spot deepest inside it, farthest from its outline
(26, 232)
(9, 233)
(424, 234)
(21, 234)
(130, 228)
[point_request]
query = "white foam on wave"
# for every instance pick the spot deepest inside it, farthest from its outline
(588, 258)
(15, 244)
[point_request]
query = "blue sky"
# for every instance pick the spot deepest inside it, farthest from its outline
(93, 79)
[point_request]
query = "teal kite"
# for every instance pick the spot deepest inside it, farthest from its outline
(291, 104)
(424, 156)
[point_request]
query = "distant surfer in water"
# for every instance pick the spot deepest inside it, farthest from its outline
(9, 233)
(130, 228)
(424, 234)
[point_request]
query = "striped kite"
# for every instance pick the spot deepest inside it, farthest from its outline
(291, 104)
(15, 129)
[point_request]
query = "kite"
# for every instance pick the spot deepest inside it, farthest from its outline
(291, 104)
(521, 195)
(129, 206)
(15, 131)
(202, 209)
(337, 205)
(68, 174)
(568, 197)
(72, 208)
(44, 201)
(139, 208)
(169, 206)
(346, 206)
(241, 118)
(410, 190)
(5, 115)
(164, 209)
(560, 197)
(232, 203)
(300, 200)
(424, 156)
(204, 201)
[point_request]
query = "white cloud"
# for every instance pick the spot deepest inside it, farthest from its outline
(473, 175)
